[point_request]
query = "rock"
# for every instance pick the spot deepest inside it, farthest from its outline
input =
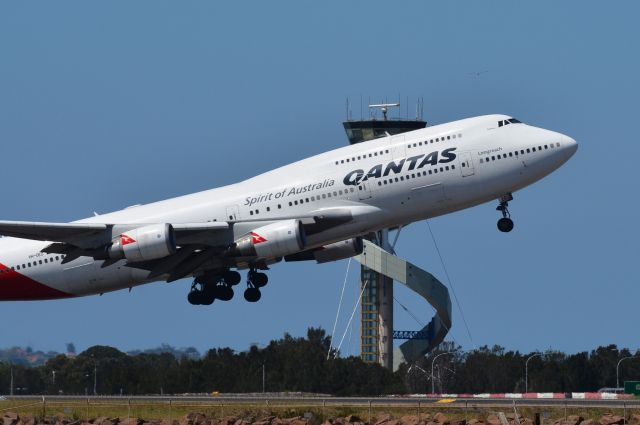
(475, 421)
(299, 421)
(381, 418)
(526, 421)
(635, 418)
(196, 418)
(352, 419)
(493, 420)
(440, 418)
(10, 418)
(409, 420)
(610, 419)
(130, 421)
(589, 422)
(262, 423)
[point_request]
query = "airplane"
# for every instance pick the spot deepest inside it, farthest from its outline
(318, 209)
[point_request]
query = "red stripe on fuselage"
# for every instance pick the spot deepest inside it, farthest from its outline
(17, 287)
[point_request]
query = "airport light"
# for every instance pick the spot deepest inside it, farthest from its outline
(618, 369)
(526, 370)
(433, 382)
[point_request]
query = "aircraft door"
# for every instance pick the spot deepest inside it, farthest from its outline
(398, 147)
(364, 190)
(233, 213)
(465, 162)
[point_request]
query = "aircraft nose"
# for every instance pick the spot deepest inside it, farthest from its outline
(570, 145)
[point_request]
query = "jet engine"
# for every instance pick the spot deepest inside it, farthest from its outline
(332, 252)
(273, 240)
(144, 243)
(339, 250)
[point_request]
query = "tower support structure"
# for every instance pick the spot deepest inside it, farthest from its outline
(376, 314)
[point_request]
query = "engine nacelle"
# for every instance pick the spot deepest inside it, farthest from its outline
(273, 240)
(144, 243)
(339, 250)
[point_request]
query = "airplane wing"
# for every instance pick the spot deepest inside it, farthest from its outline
(93, 235)
(198, 244)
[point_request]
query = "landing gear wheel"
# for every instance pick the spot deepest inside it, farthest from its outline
(224, 293)
(194, 297)
(252, 295)
(259, 279)
(231, 277)
(505, 225)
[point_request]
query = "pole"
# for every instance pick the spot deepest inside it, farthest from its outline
(95, 379)
(618, 370)
(263, 379)
(433, 382)
(526, 371)
(11, 391)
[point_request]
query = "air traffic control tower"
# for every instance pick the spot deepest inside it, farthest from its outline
(376, 311)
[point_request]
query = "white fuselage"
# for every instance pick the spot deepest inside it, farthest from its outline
(385, 183)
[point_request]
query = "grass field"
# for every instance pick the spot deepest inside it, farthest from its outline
(87, 409)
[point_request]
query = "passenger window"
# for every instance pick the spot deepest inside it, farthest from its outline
(251, 212)
(522, 151)
(279, 206)
(379, 183)
(453, 167)
(534, 148)
(528, 150)
(429, 172)
(290, 204)
(493, 158)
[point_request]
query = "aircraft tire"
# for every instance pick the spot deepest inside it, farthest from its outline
(252, 295)
(231, 277)
(259, 279)
(505, 224)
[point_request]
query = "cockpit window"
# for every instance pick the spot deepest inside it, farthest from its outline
(509, 121)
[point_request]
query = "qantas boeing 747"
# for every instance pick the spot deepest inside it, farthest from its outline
(314, 209)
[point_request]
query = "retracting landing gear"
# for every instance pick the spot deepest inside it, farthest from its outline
(255, 281)
(505, 224)
(206, 288)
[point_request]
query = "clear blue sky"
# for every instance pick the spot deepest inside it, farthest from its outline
(109, 104)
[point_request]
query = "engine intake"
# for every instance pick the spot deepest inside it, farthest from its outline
(144, 243)
(273, 240)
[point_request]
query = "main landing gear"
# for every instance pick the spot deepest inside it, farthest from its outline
(207, 288)
(505, 224)
(255, 281)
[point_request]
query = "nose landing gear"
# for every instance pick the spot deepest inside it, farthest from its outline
(505, 224)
